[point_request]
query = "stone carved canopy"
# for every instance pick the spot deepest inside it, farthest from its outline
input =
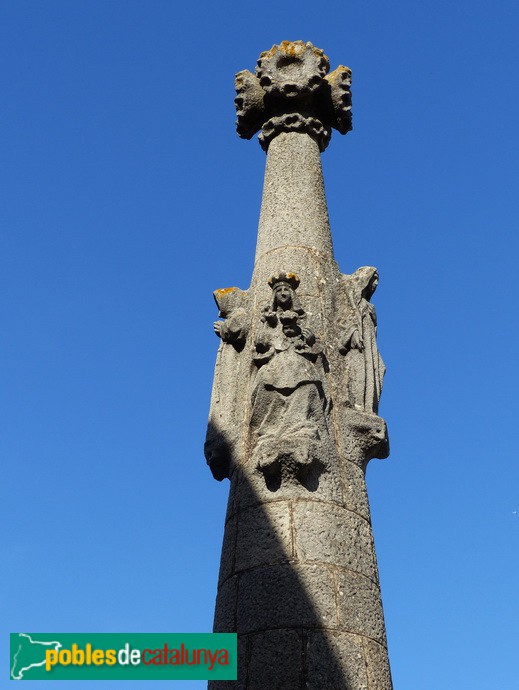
(293, 92)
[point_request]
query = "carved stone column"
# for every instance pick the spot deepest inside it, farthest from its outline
(293, 420)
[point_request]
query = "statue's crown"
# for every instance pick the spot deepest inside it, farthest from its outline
(291, 279)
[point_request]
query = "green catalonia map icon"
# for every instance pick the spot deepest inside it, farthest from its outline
(28, 655)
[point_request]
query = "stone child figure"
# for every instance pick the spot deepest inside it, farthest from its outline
(289, 402)
(359, 341)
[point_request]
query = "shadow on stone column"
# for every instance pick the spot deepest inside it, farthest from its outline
(298, 582)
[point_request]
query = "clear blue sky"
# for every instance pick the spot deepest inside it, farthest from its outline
(127, 198)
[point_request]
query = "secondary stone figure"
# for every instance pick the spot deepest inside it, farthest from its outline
(236, 325)
(294, 409)
(359, 341)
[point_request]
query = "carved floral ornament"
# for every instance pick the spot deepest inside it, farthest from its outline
(293, 92)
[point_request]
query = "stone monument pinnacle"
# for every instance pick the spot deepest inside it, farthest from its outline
(294, 410)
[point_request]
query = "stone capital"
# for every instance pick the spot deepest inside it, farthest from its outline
(293, 92)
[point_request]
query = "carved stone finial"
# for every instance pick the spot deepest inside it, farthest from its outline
(292, 92)
(292, 69)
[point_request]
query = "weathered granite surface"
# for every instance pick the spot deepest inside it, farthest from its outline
(294, 410)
